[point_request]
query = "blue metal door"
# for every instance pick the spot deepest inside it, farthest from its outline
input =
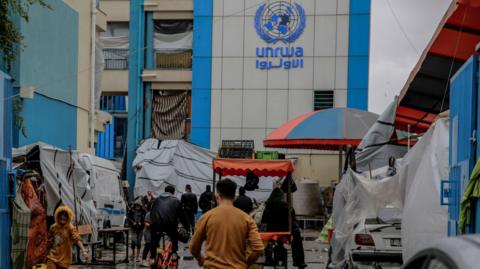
(5, 156)
(463, 134)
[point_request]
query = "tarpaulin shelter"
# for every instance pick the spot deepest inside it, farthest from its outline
(426, 92)
(176, 162)
(65, 180)
(415, 189)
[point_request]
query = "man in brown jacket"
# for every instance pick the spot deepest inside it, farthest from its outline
(226, 231)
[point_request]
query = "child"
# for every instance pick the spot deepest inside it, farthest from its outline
(148, 239)
(136, 217)
(62, 236)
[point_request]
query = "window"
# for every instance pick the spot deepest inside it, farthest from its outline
(323, 99)
(173, 44)
(111, 142)
(115, 45)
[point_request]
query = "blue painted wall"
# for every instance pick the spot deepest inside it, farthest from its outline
(358, 51)
(50, 121)
(49, 63)
(5, 164)
(202, 72)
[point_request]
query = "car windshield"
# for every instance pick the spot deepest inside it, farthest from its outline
(386, 216)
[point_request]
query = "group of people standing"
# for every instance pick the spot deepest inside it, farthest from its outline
(226, 227)
(152, 217)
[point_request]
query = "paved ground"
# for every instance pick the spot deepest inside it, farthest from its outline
(315, 256)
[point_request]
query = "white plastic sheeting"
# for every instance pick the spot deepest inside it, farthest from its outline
(106, 188)
(358, 197)
(415, 189)
(424, 219)
(176, 162)
(173, 42)
(375, 149)
(115, 42)
(99, 67)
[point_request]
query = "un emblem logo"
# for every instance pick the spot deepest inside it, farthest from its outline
(280, 21)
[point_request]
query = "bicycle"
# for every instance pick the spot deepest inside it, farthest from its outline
(166, 258)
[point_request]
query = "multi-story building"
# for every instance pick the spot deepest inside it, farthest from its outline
(114, 84)
(255, 64)
(54, 74)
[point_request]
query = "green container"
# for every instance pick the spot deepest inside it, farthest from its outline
(267, 155)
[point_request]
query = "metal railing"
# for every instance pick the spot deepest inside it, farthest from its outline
(173, 60)
(116, 59)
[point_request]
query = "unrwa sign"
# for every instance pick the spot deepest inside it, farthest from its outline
(279, 21)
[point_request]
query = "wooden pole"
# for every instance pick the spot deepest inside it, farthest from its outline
(72, 167)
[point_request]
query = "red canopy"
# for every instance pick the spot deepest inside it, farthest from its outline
(426, 92)
(240, 167)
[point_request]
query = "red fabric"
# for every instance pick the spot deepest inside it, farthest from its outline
(418, 120)
(470, 21)
(451, 42)
(320, 144)
(473, 3)
(446, 44)
(283, 131)
(37, 232)
(267, 236)
(240, 167)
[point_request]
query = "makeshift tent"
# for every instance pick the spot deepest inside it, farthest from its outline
(106, 189)
(358, 197)
(415, 189)
(178, 163)
(61, 171)
(420, 174)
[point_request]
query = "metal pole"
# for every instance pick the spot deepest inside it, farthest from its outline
(408, 147)
(340, 163)
(289, 201)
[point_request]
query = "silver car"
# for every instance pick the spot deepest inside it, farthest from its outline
(377, 242)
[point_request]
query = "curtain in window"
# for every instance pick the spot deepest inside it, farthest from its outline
(170, 113)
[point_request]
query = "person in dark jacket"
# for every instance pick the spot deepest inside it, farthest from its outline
(275, 217)
(166, 212)
(206, 200)
(190, 205)
(136, 218)
(243, 202)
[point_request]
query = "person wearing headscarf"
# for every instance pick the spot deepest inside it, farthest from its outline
(275, 218)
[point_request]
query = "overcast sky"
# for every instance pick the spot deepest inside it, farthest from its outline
(400, 31)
